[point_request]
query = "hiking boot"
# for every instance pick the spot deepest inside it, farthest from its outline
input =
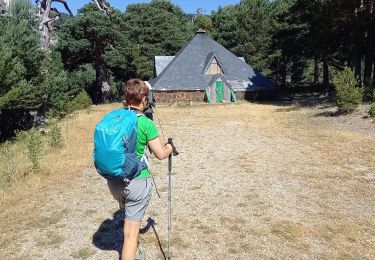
(140, 255)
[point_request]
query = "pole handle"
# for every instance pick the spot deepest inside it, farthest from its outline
(174, 150)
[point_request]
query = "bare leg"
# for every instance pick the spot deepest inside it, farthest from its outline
(131, 232)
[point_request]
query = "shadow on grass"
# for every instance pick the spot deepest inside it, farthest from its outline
(297, 97)
(151, 224)
(110, 234)
(287, 109)
(330, 114)
(337, 113)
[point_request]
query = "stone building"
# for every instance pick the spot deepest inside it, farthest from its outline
(205, 70)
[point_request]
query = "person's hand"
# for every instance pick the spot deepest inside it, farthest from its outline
(169, 147)
(174, 150)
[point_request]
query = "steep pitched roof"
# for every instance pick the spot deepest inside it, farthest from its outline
(222, 78)
(186, 70)
(212, 55)
(161, 62)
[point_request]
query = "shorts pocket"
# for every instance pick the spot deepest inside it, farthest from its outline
(137, 190)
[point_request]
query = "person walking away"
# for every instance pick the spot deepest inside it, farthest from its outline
(135, 196)
(151, 102)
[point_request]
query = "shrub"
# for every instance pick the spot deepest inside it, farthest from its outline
(348, 95)
(372, 110)
(55, 136)
(81, 101)
(32, 140)
(64, 107)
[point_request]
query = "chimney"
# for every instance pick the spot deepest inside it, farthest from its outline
(200, 31)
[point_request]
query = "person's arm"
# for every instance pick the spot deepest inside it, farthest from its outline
(159, 150)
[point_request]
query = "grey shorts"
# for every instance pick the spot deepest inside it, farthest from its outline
(133, 198)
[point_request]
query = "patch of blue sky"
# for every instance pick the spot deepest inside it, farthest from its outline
(189, 6)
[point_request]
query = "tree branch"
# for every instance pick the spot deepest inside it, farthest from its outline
(65, 5)
(102, 6)
(57, 11)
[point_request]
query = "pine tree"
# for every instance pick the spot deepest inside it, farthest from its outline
(157, 28)
(92, 38)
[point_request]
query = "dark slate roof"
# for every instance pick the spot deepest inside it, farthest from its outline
(161, 62)
(187, 69)
(221, 76)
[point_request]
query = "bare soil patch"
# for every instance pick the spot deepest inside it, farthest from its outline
(252, 181)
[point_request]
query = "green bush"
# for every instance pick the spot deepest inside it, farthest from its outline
(55, 136)
(32, 140)
(81, 101)
(64, 107)
(348, 95)
(371, 111)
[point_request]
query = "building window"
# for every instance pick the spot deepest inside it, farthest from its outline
(214, 68)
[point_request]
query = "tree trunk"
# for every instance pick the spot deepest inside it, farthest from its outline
(46, 22)
(357, 41)
(369, 52)
(44, 10)
(3, 7)
(283, 75)
(358, 67)
(287, 73)
(103, 87)
(325, 71)
(316, 70)
(288, 76)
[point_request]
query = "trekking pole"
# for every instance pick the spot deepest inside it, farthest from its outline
(174, 153)
(153, 180)
(145, 159)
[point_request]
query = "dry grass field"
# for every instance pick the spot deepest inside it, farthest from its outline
(252, 181)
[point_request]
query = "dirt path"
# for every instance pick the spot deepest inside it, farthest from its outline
(251, 182)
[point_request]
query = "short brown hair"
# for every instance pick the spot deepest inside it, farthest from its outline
(134, 91)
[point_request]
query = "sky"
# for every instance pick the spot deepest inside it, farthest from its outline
(189, 6)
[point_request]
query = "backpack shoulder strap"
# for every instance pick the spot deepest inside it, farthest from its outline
(136, 110)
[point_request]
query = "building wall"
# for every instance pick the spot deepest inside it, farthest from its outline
(240, 95)
(214, 68)
(172, 96)
(212, 92)
(198, 96)
(227, 95)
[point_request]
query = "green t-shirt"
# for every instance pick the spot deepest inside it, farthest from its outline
(146, 131)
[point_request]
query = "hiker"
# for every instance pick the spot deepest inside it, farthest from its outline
(151, 102)
(135, 196)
